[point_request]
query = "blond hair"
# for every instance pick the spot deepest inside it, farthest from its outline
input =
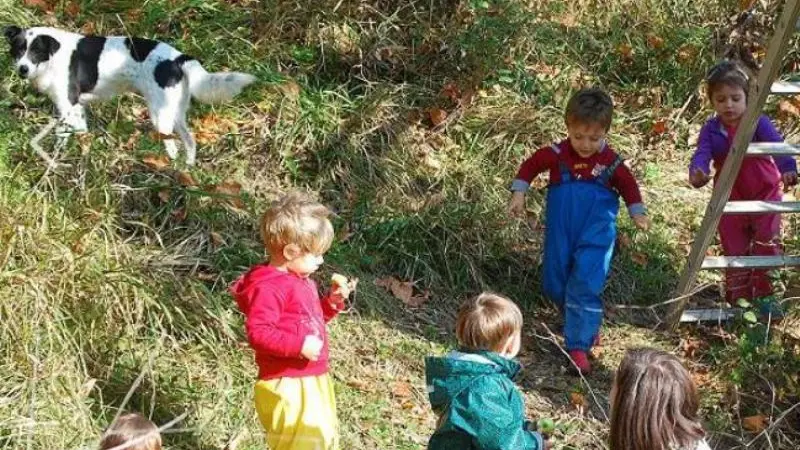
(130, 427)
(487, 321)
(296, 219)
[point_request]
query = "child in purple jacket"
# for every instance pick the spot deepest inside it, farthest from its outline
(759, 179)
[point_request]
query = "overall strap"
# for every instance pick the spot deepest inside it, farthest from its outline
(563, 169)
(605, 176)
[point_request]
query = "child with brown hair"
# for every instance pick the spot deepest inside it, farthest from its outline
(285, 320)
(759, 178)
(471, 390)
(133, 431)
(654, 404)
(586, 180)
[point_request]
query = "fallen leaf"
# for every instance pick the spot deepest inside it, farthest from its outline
(88, 28)
(639, 258)
(87, 388)
(186, 180)
(164, 195)
(746, 4)
(228, 188)
(660, 127)
(72, 9)
(625, 241)
(41, 4)
(578, 400)
(437, 116)
(755, 424)
(402, 389)
(359, 384)
(655, 41)
(179, 214)
(625, 50)
(216, 239)
(403, 290)
(690, 346)
(156, 162)
(451, 91)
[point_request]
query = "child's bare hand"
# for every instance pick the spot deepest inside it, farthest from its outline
(641, 221)
(789, 180)
(698, 178)
(517, 205)
(312, 346)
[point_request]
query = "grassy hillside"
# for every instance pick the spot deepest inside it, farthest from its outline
(409, 119)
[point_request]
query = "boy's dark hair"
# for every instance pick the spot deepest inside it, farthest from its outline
(588, 106)
(727, 73)
(653, 403)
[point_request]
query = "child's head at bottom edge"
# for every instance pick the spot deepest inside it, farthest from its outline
(296, 232)
(131, 427)
(490, 322)
(654, 403)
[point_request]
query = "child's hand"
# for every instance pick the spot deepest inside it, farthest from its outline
(789, 180)
(517, 205)
(642, 222)
(341, 288)
(698, 178)
(312, 346)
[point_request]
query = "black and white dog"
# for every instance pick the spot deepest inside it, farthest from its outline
(73, 69)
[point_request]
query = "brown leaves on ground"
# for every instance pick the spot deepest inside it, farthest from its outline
(209, 128)
(660, 127)
(655, 41)
(156, 162)
(230, 189)
(755, 424)
(437, 116)
(639, 258)
(403, 290)
(578, 401)
(186, 180)
(789, 108)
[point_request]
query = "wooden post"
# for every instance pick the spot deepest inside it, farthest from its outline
(722, 190)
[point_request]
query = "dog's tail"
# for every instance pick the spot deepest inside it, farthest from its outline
(215, 87)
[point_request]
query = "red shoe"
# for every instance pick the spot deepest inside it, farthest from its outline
(581, 362)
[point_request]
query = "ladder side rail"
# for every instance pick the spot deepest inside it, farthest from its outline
(757, 96)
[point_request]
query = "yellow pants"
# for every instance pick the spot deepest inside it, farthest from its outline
(298, 413)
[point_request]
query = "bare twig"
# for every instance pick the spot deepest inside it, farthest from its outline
(552, 338)
(51, 164)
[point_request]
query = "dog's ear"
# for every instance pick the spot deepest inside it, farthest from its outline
(11, 32)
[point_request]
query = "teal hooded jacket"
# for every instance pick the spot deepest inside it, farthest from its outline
(478, 405)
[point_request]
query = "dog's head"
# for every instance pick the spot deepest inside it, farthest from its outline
(31, 50)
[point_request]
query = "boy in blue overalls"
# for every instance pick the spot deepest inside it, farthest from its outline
(586, 179)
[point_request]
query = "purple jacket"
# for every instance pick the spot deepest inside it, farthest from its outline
(713, 143)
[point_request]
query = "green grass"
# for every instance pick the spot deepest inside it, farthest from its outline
(112, 272)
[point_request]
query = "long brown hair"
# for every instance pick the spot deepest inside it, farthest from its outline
(654, 403)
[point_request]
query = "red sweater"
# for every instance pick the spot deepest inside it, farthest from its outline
(547, 159)
(280, 310)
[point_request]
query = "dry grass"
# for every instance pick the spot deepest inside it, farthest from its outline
(112, 272)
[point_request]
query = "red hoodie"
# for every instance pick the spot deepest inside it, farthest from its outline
(280, 310)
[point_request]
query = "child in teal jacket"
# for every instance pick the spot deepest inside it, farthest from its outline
(472, 391)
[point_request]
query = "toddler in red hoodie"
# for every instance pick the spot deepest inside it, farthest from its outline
(285, 322)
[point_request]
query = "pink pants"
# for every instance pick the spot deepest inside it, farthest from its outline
(752, 235)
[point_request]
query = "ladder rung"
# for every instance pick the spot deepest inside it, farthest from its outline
(749, 262)
(761, 207)
(785, 88)
(709, 315)
(773, 148)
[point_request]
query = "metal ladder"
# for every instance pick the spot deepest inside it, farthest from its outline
(741, 147)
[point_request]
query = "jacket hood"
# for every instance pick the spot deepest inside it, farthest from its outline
(449, 375)
(241, 288)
